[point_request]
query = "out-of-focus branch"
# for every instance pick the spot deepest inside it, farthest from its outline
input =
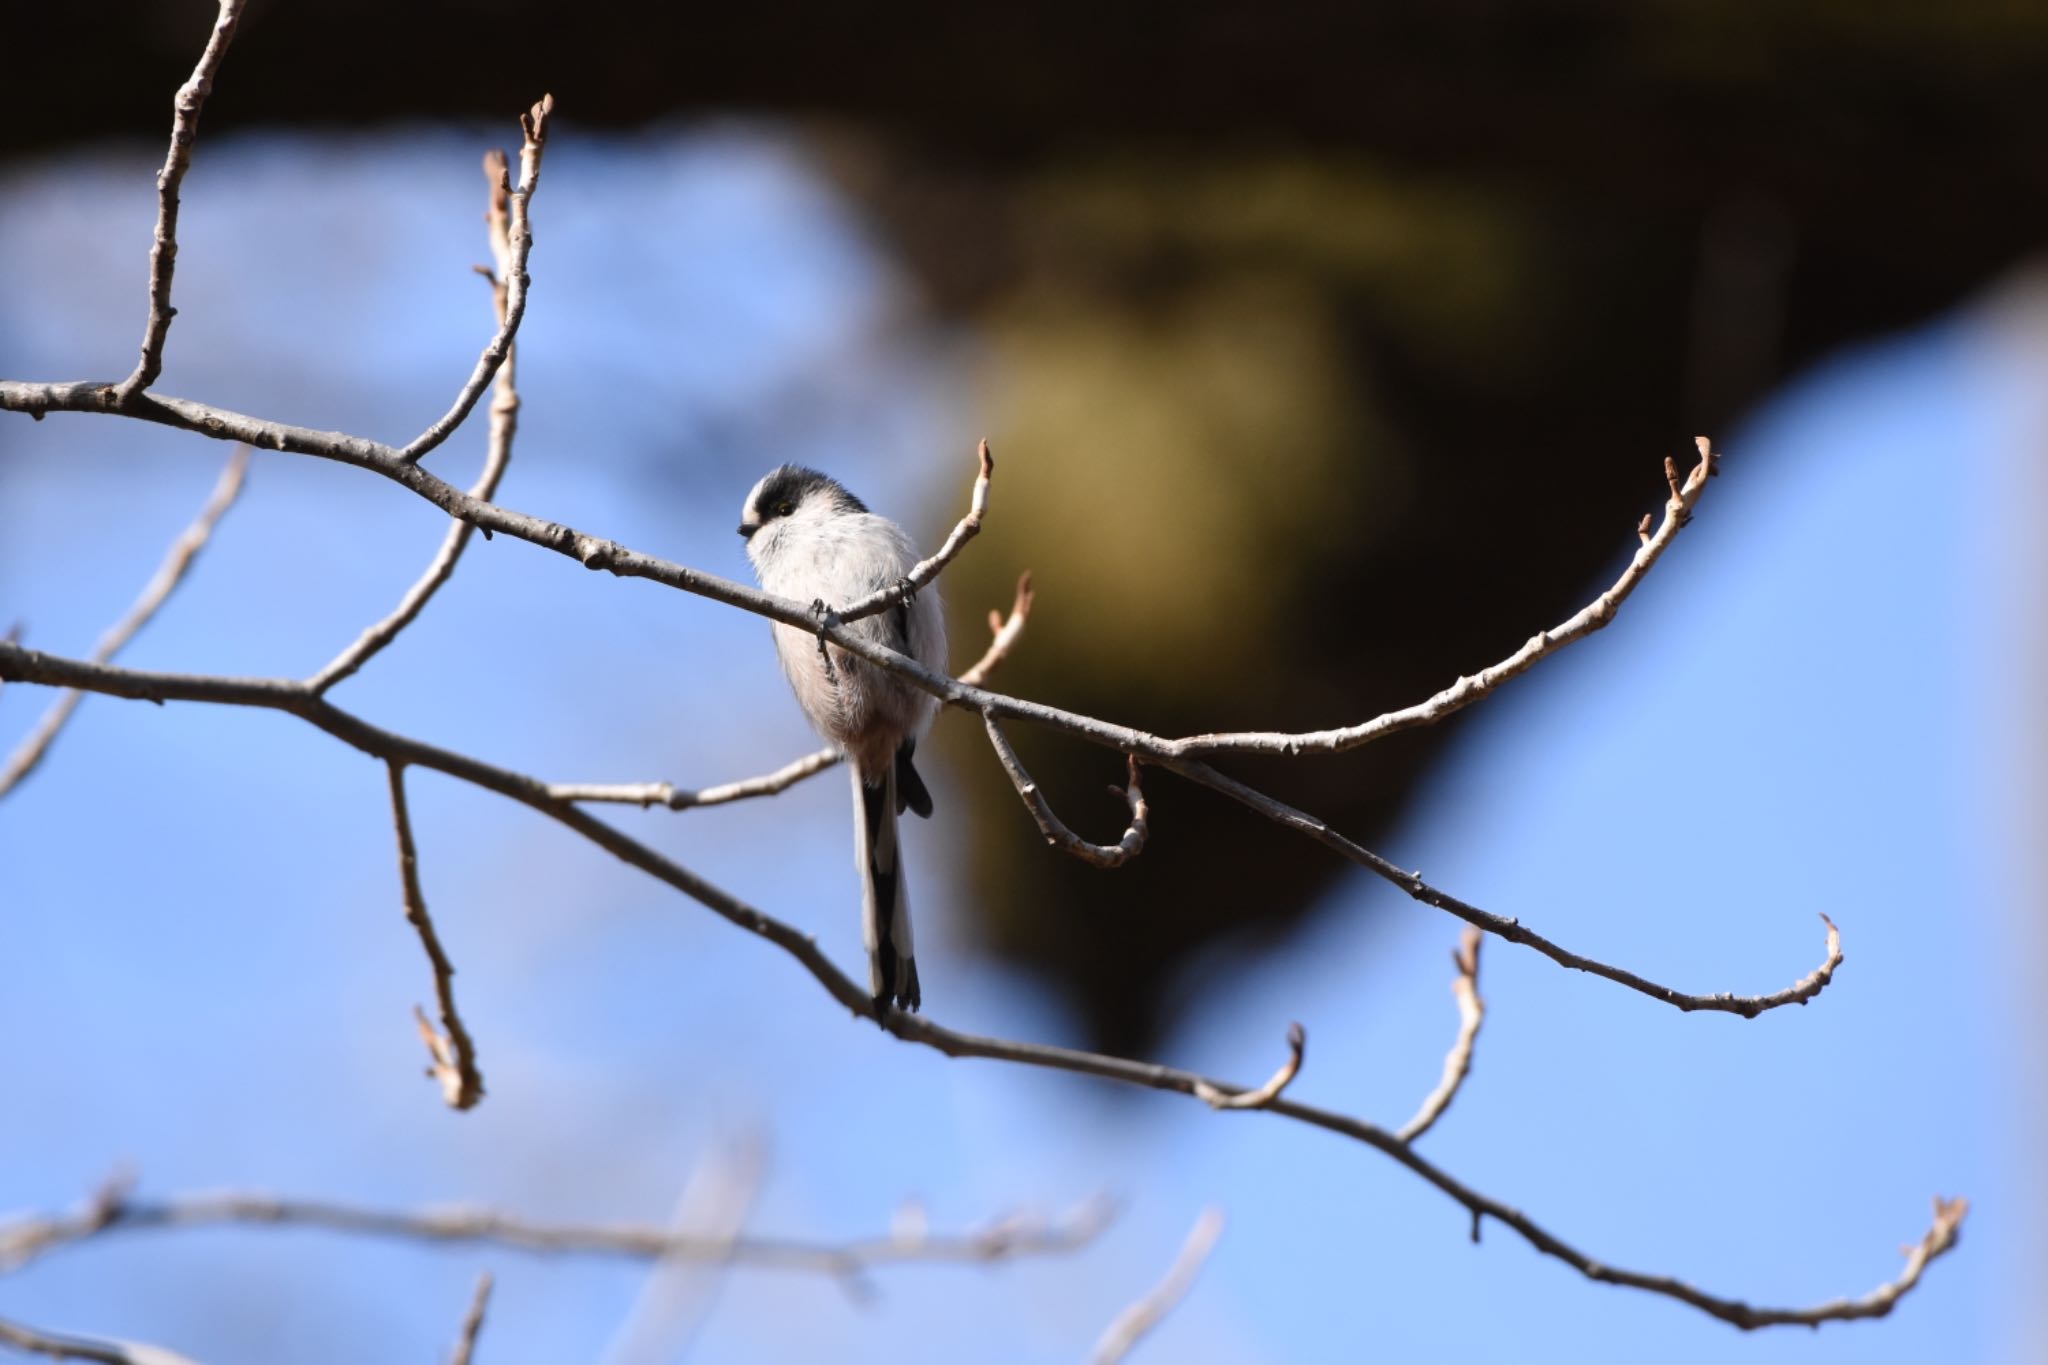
(26, 1239)
(512, 243)
(1005, 632)
(473, 1321)
(1054, 829)
(452, 1052)
(1677, 512)
(673, 1305)
(163, 250)
(498, 449)
(59, 1346)
(681, 798)
(1219, 1098)
(281, 694)
(1134, 1322)
(168, 575)
(925, 570)
(1458, 1061)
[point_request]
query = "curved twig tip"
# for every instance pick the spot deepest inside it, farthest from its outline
(534, 123)
(1217, 1098)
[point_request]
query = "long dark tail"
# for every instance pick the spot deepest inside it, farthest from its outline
(885, 906)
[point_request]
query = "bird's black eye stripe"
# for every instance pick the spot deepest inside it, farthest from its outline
(790, 486)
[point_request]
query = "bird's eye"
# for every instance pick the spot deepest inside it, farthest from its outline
(783, 509)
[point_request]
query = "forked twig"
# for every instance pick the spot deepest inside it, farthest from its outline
(517, 234)
(1005, 631)
(1054, 829)
(450, 1049)
(925, 570)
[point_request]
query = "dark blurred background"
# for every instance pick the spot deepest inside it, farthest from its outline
(1419, 294)
(1327, 351)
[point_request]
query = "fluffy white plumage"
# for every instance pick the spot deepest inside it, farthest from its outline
(812, 540)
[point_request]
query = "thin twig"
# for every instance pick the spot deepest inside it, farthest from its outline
(450, 1049)
(163, 250)
(1462, 693)
(1134, 1322)
(516, 234)
(1217, 1097)
(497, 453)
(59, 1346)
(1458, 1061)
(473, 1321)
(168, 575)
(1005, 632)
(1513, 930)
(26, 1239)
(281, 694)
(1054, 829)
(924, 571)
(645, 794)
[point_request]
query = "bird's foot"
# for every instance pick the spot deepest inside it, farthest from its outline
(825, 617)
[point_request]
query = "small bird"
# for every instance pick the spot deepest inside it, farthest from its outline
(812, 540)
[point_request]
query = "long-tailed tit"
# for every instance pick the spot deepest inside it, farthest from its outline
(812, 540)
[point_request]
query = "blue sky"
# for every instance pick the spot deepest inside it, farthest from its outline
(1816, 703)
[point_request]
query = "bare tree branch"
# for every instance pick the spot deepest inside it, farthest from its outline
(1054, 829)
(512, 243)
(473, 1321)
(1005, 632)
(452, 1052)
(645, 794)
(504, 425)
(1596, 614)
(1147, 1313)
(57, 1346)
(26, 1239)
(1458, 1061)
(169, 574)
(596, 553)
(1218, 1098)
(281, 694)
(163, 250)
